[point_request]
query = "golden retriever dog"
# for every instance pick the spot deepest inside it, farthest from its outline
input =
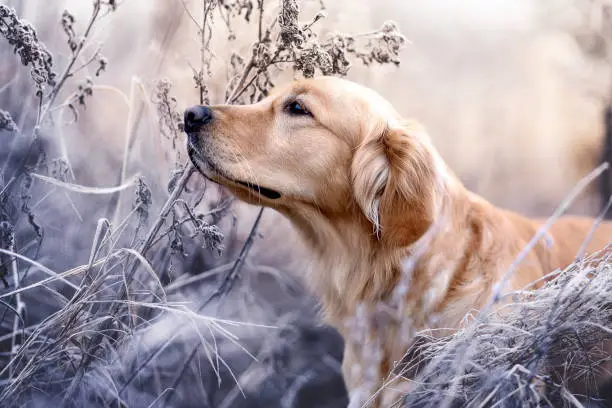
(363, 186)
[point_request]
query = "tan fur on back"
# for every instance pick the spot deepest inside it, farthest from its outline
(366, 189)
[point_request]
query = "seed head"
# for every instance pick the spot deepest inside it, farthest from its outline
(22, 36)
(6, 122)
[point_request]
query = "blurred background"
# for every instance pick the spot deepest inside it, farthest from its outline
(513, 93)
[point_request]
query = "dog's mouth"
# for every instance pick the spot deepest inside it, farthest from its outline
(196, 159)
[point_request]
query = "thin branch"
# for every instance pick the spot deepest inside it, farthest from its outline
(75, 56)
(19, 306)
(178, 190)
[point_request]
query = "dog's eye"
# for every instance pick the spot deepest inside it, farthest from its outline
(296, 108)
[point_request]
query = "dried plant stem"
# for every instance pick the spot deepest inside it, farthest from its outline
(180, 186)
(260, 9)
(19, 306)
(233, 274)
(168, 396)
(130, 130)
(178, 190)
(75, 56)
(596, 223)
(242, 84)
(205, 13)
(240, 88)
(97, 338)
(225, 286)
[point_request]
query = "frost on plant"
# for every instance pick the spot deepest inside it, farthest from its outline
(7, 241)
(332, 57)
(170, 120)
(142, 199)
(22, 37)
(6, 122)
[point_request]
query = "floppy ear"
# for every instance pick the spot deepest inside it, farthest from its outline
(394, 182)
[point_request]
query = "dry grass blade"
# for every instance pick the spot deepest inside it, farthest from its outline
(84, 189)
(53, 275)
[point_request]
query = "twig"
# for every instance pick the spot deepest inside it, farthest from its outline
(260, 8)
(596, 223)
(191, 15)
(205, 13)
(240, 88)
(232, 276)
(75, 55)
(19, 305)
(180, 284)
(178, 190)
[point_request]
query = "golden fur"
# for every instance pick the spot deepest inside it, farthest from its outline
(363, 186)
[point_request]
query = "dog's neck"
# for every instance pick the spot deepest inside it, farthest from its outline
(352, 266)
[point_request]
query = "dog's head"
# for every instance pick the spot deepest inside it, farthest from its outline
(325, 146)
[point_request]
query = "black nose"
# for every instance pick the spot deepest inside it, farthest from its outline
(196, 117)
